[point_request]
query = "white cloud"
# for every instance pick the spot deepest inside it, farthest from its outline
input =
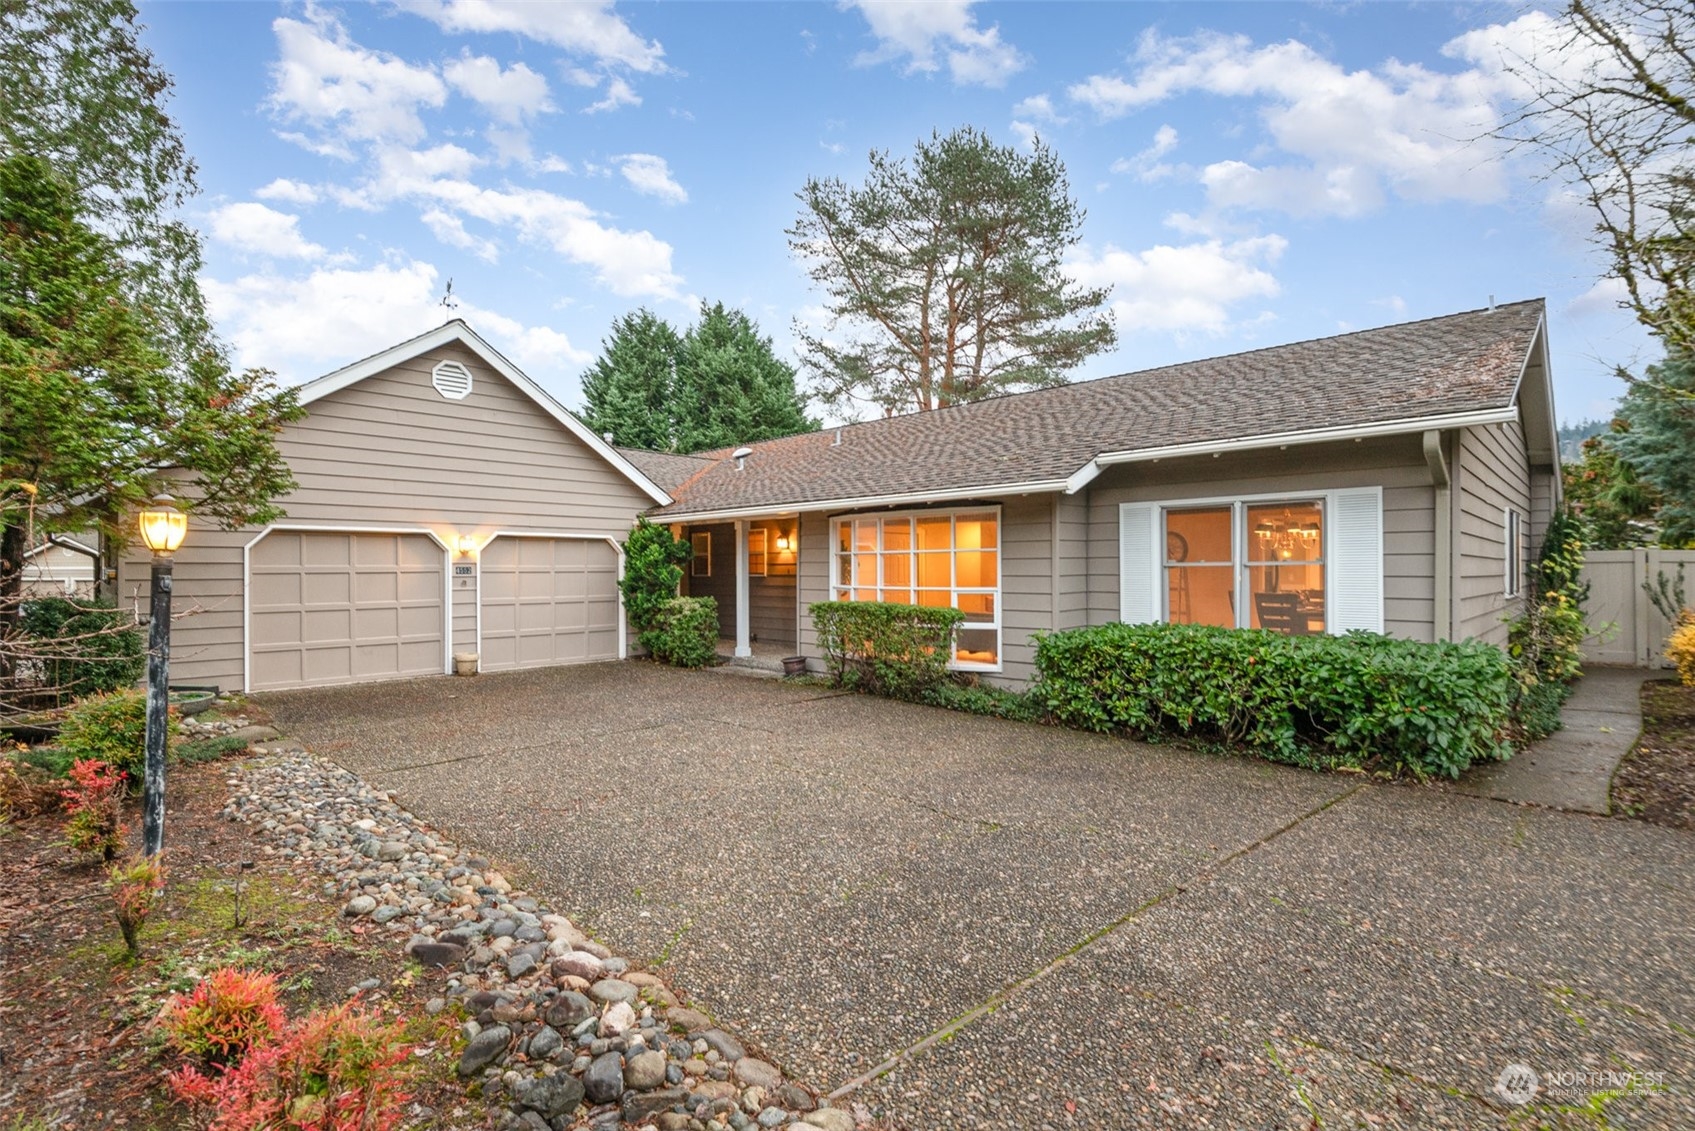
(326, 80)
(302, 325)
(1355, 136)
(450, 230)
(618, 93)
(1182, 289)
(1025, 132)
(1605, 297)
(1147, 165)
(291, 192)
(1040, 108)
(922, 30)
(509, 95)
(258, 230)
(584, 27)
(651, 176)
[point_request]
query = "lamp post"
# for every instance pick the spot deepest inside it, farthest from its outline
(163, 528)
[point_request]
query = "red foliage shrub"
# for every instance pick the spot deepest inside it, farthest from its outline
(135, 886)
(229, 1013)
(95, 826)
(335, 1070)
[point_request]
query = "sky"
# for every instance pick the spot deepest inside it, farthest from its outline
(1253, 174)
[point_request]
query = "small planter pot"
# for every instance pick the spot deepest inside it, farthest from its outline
(193, 700)
(794, 665)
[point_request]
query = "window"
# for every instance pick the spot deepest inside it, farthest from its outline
(1514, 537)
(700, 565)
(944, 559)
(756, 552)
(1270, 552)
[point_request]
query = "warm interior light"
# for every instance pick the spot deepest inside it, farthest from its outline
(467, 544)
(163, 526)
(782, 541)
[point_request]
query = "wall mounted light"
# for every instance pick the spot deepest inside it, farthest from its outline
(783, 542)
(467, 545)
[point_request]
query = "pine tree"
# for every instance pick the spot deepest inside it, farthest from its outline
(1658, 442)
(629, 391)
(731, 387)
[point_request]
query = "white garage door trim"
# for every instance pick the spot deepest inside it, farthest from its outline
(320, 528)
(617, 548)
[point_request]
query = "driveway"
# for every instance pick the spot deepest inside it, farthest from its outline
(1041, 928)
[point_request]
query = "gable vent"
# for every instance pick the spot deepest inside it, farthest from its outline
(451, 380)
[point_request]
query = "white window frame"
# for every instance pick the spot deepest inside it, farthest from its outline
(839, 592)
(1512, 564)
(1239, 557)
(696, 557)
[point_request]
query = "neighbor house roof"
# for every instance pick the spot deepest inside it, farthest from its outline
(458, 331)
(1452, 371)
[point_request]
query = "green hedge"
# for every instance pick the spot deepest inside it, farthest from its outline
(113, 729)
(1360, 700)
(684, 632)
(900, 651)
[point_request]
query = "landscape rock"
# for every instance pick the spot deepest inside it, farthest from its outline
(550, 1096)
(359, 905)
(639, 1106)
(484, 1049)
(757, 1074)
(723, 1044)
(604, 1081)
(829, 1119)
(613, 990)
(645, 1071)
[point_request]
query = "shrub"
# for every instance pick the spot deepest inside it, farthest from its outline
(112, 728)
(1545, 639)
(335, 1070)
(1361, 700)
(1680, 648)
(136, 885)
(980, 699)
(900, 651)
(82, 647)
(208, 749)
(684, 632)
(652, 570)
(25, 789)
(93, 802)
(54, 761)
(228, 1013)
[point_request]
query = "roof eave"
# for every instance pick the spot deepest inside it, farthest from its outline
(941, 494)
(1399, 427)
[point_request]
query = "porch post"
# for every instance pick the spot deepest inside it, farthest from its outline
(742, 646)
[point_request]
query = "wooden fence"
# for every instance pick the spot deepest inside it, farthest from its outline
(1628, 628)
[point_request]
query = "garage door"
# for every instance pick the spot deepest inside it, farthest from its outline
(548, 601)
(343, 608)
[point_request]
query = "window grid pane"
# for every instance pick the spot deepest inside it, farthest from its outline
(933, 560)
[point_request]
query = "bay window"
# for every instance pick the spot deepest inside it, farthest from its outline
(943, 559)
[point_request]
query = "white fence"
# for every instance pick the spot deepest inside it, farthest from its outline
(1629, 629)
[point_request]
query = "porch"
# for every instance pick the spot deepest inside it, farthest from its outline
(749, 567)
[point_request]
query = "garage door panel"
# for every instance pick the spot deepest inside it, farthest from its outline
(541, 598)
(337, 607)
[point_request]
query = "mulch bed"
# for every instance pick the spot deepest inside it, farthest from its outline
(76, 1047)
(1656, 780)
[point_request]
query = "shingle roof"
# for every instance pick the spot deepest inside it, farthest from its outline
(1436, 367)
(667, 469)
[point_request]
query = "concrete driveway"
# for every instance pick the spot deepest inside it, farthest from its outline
(1040, 928)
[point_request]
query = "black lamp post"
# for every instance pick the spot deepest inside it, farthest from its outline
(163, 527)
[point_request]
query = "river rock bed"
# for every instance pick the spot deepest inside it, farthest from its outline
(559, 1031)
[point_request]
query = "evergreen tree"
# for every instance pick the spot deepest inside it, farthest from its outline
(629, 391)
(945, 278)
(731, 387)
(1658, 441)
(1617, 508)
(91, 410)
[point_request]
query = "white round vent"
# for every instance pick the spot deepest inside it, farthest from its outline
(451, 380)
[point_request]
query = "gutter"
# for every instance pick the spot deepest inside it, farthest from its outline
(795, 506)
(1312, 436)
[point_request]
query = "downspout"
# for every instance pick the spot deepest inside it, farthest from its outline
(1436, 461)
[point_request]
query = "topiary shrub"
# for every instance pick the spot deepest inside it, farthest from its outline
(113, 729)
(79, 647)
(685, 632)
(900, 651)
(653, 568)
(1361, 700)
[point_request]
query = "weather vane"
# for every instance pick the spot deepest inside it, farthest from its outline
(447, 299)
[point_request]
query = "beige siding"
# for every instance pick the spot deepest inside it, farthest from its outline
(1071, 561)
(391, 452)
(1492, 475)
(1397, 465)
(1542, 494)
(817, 559)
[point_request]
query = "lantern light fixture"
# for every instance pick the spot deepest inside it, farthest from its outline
(163, 526)
(467, 545)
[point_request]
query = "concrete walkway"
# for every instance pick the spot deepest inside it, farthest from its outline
(1573, 767)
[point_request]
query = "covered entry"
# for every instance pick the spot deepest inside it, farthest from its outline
(328, 607)
(548, 600)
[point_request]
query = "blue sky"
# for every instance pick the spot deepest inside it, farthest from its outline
(1253, 174)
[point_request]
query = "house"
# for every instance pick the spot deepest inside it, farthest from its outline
(1393, 480)
(446, 504)
(61, 567)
